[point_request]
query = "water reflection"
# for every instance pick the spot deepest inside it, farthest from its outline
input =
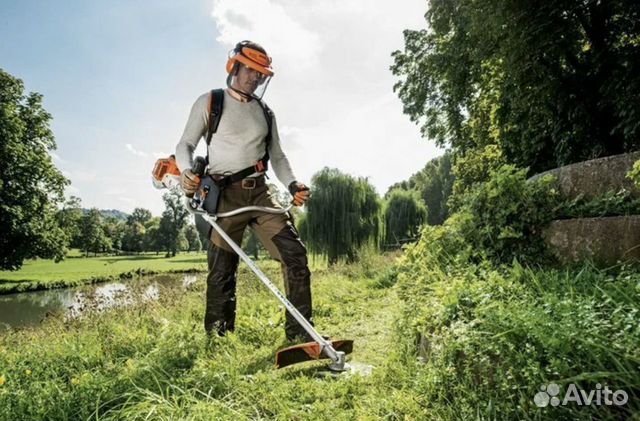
(30, 308)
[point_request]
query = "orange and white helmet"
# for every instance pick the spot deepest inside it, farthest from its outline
(253, 56)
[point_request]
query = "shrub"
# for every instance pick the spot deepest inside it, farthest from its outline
(502, 217)
(491, 336)
(634, 174)
(609, 204)
(473, 168)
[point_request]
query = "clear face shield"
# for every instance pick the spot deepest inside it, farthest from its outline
(248, 81)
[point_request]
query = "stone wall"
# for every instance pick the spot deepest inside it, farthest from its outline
(603, 240)
(596, 177)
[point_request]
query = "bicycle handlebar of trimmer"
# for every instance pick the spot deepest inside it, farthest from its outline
(198, 209)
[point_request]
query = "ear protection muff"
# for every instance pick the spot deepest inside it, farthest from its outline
(250, 57)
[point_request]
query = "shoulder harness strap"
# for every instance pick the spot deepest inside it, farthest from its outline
(215, 113)
(268, 115)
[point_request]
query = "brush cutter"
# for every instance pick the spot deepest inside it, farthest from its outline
(321, 348)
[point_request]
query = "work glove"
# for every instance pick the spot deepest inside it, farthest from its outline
(189, 182)
(300, 193)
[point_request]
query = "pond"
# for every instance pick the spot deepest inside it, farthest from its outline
(24, 309)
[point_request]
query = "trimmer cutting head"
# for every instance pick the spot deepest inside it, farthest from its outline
(311, 351)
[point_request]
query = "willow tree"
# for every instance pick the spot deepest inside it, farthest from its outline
(434, 183)
(404, 213)
(342, 216)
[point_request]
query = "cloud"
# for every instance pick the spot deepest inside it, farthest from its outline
(157, 155)
(290, 138)
(271, 25)
(333, 90)
(134, 151)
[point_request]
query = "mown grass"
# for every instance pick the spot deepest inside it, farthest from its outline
(45, 274)
(153, 361)
(79, 268)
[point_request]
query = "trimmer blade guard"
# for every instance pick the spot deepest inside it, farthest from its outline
(309, 351)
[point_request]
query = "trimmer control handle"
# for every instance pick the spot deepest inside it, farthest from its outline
(199, 166)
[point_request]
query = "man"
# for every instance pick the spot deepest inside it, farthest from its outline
(246, 135)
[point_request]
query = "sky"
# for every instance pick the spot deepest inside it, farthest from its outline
(120, 77)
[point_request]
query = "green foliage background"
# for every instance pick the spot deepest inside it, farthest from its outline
(31, 186)
(551, 83)
(342, 216)
(404, 213)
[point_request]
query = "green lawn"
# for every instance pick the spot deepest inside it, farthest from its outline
(153, 361)
(43, 274)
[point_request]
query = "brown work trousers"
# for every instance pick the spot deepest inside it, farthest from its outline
(278, 235)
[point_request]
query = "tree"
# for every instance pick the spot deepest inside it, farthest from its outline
(550, 83)
(114, 229)
(133, 239)
(404, 213)
(342, 216)
(139, 215)
(151, 238)
(173, 220)
(69, 219)
(94, 238)
(252, 245)
(193, 238)
(31, 187)
(134, 231)
(434, 183)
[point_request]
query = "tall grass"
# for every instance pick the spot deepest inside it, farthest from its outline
(491, 336)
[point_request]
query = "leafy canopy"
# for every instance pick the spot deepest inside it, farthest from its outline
(551, 83)
(31, 186)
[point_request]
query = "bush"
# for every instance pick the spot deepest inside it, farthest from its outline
(491, 336)
(609, 204)
(502, 218)
(472, 168)
(634, 174)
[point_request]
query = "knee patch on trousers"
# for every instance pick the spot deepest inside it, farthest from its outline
(293, 253)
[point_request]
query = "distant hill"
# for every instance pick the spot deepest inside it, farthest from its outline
(106, 213)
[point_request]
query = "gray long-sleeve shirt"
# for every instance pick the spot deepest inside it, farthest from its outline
(239, 141)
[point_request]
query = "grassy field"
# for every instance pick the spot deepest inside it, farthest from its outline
(44, 274)
(491, 337)
(153, 361)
